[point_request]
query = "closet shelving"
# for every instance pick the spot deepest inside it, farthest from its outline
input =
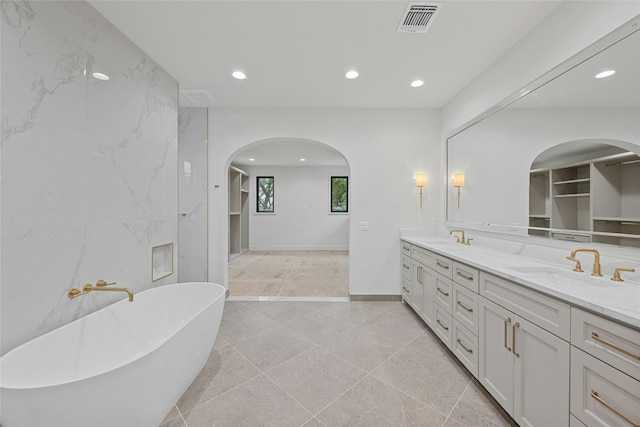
(598, 196)
(238, 212)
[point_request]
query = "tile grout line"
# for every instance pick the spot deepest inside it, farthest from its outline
(457, 401)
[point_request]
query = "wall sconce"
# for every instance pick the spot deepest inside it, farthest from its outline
(458, 181)
(421, 181)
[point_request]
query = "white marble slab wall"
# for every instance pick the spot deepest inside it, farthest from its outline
(192, 166)
(89, 167)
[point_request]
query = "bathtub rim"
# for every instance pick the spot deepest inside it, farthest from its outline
(117, 366)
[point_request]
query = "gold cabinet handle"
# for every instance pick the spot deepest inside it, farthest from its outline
(513, 338)
(446, 267)
(469, 278)
(468, 350)
(405, 248)
(442, 292)
(405, 266)
(469, 309)
(405, 289)
(595, 336)
(594, 394)
(506, 321)
(443, 326)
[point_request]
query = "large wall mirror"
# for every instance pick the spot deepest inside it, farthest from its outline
(561, 161)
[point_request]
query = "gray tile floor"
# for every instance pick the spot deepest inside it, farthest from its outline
(286, 363)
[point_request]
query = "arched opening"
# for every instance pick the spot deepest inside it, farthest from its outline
(288, 220)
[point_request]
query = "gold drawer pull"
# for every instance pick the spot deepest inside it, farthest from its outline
(595, 336)
(446, 267)
(468, 350)
(443, 327)
(442, 292)
(405, 266)
(506, 321)
(404, 248)
(469, 278)
(513, 338)
(470, 310)
(594, 394)
(405, 289)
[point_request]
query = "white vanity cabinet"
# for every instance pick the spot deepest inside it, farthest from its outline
(524, 367)
(417, 286)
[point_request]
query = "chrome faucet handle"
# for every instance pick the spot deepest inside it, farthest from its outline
(616, 274)
(578, 267)
(101, 283)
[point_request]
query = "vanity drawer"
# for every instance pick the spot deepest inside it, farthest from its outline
(443, 326)
(423, 256)
(443, 292)
(602, 395)
(465, 347)
(405, 248)
(466, 276)
(406, 285)
(406, 267)
(443, 266)
(611, 342)
(465, 307)
(574, 422)
(543, 311)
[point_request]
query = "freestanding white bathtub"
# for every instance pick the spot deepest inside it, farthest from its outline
(124, 365)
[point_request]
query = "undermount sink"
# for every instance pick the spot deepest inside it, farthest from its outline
(565, 279)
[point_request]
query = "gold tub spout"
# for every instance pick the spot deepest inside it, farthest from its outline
(101, 285)
(596, 260)
(458, 238)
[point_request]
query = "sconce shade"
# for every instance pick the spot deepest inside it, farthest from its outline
(421, 180)
(458, 180)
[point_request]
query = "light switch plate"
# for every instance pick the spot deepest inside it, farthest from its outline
(364, 226)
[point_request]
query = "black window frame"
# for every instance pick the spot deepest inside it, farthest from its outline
(258, 192)
(346, 178)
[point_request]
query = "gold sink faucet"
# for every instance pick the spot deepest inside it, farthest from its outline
(100, 285)
(616, 274)
(458, 238)
(596, 261)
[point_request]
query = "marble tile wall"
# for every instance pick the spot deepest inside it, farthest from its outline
(89, 167)
(192, 166)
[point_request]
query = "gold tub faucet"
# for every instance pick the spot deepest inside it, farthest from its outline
(458, 238)
(596, 261)
(100, 285)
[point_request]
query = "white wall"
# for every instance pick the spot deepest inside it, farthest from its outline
(302, 219)
(384, 148)
(88, 167)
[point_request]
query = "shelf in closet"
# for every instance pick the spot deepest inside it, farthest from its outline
(558, 196)
(539, 216)
(630, 221)
(234, 213)
(572, 181)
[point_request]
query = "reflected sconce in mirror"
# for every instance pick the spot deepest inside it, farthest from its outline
(458, 182)
(421, 182)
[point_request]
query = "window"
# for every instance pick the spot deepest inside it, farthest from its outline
(339, 194)
(265, 194)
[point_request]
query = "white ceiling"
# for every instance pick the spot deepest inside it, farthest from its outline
(295, 53)
(288, 152)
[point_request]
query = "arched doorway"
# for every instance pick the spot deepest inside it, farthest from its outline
(294, 219)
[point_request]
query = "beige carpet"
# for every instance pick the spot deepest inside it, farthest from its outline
(290, 274)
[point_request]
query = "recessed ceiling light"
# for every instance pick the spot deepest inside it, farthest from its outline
(604, 74)
(303, 160)
(417, 83)
(239, 75)
(100, 76)
(252, 159)
(353, 74)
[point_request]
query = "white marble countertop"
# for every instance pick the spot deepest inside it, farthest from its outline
(617, 300)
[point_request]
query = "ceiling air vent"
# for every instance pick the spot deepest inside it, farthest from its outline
(418, 17)
(197, 96)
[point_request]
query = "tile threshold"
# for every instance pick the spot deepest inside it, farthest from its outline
(276, 298)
